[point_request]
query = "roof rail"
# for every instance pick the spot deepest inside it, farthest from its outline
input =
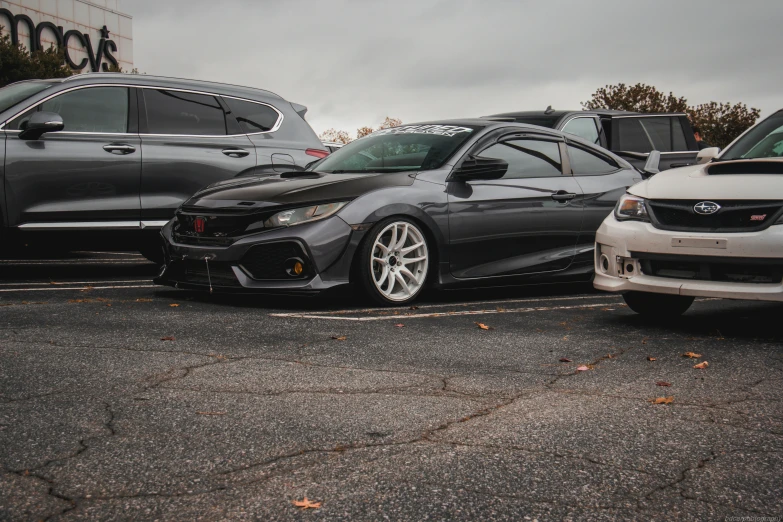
(123, 75)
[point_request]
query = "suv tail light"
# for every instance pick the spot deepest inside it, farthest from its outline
(318, 153)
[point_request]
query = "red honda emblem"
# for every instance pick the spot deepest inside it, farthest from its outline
(199, 224)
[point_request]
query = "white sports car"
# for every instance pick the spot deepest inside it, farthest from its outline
(709, 230)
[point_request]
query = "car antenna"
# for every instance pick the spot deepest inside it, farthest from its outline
(549, 110)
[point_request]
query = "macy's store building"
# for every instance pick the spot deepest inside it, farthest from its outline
(93, 34)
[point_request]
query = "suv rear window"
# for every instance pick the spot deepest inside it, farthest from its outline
(183, 113)
(644, 134)
(252, 117)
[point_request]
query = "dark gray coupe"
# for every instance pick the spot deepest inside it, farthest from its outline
(447, 204)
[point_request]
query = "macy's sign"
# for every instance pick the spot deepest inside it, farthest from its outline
(94, 58)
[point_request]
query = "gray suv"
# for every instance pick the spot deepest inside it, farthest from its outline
(104, 160)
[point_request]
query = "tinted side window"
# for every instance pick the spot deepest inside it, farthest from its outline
(527, 158)
(678, 136)
(252, 117)
(174, 112)
(585, 163)
(96, 109)
(584, 128)
(660, 132)
(632, 137)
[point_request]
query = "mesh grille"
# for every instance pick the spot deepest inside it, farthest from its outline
(733, 216)
(722, 270)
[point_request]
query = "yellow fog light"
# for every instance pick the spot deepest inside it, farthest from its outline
(298, 268)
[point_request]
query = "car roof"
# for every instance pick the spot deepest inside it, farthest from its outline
(483, 123)
(164, 81)
(557, 115)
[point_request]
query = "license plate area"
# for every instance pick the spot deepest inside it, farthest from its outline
(700, 242)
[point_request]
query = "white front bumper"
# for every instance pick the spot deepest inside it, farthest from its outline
(620, 238)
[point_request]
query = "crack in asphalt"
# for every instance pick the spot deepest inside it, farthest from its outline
(160, 381)
(83, 446)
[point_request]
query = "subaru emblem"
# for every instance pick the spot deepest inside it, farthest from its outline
(705, 208)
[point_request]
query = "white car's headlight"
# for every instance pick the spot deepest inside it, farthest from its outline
(296, 216)
(631, 208)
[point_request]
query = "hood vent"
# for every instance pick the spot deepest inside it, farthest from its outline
(746, 167)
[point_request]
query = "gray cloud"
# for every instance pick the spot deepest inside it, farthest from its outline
(353, 63)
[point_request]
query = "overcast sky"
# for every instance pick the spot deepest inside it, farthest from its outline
(352, 63)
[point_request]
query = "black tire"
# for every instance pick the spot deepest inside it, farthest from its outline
(364, 265)
(657, 305)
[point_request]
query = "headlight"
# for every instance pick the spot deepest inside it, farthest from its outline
(296, 216)
(631, 208)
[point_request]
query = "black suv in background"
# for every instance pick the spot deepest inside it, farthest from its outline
(104, 160)
(631, 135)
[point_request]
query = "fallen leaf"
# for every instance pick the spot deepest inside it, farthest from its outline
(167, 338)
(482, 326)
(174, 305)
(210, 412)
(399, 325)
(691, 355)
(306, 504)
(583, 368)
(663, 383)
(340, 338)
(143, 300)
(414, 308)
(702, 366)
(652, 359)
(663, 400)
(563, 359)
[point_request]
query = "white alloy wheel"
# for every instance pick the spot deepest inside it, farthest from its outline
(399, 261)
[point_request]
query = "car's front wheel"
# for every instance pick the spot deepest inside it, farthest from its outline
(394, 262)
(657, 305)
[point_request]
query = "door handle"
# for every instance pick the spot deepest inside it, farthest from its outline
(563, 196)
(236, 153)
(119, 148)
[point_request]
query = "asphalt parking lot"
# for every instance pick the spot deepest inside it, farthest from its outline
(121, 400)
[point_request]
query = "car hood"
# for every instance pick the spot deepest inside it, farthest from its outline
(263, 191)
(737, 180)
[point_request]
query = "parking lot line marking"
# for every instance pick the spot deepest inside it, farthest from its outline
(440, 314)
(474, 303)
(61, 289)
(71, 283)
(27, 262)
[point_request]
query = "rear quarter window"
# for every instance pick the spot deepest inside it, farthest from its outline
(253, 117)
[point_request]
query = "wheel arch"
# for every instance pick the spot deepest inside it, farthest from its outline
(428, 229)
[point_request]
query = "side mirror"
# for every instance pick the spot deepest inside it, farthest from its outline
(652, 166)
(476, 167)
(40, 123)
(705, 155)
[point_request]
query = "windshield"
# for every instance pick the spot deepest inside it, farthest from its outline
(409, 147)
(765, 140)
(13, 94)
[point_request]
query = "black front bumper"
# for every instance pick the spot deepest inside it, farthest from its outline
(260, 263)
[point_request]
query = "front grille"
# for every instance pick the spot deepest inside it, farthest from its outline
(268, 261)
(195, 272)
(220, 229)
(696, 268)
(733, 216)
